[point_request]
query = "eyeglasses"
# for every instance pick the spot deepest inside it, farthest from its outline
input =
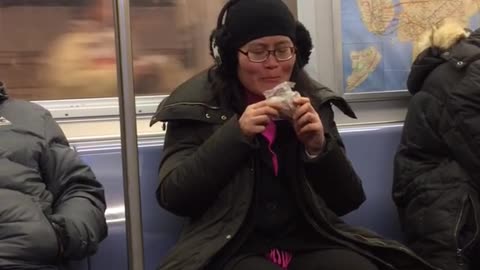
(281, 54)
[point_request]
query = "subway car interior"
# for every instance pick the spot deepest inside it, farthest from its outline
(101, 67)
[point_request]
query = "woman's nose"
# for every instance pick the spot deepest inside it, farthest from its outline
(271, 61)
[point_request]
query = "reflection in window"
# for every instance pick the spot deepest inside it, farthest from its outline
(56, 49)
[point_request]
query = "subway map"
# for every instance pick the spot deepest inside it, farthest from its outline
(379, 37)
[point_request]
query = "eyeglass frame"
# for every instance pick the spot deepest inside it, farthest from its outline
(293, 51)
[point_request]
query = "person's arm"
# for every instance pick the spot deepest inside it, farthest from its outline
(461, 116)
(423, 161)
(193, 169)
(330, 173)
(79, 201)
(200, 160)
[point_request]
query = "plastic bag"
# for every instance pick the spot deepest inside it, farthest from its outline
(283, 95)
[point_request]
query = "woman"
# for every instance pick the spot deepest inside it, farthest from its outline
(262, 194)
(437, 166)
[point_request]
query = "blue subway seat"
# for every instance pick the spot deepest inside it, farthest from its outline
(107, 165)
(371, 151)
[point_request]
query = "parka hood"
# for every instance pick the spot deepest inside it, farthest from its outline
(451, 44)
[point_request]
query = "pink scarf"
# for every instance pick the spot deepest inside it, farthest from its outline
(279, 257)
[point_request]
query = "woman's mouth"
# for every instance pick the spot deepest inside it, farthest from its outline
(271, 79)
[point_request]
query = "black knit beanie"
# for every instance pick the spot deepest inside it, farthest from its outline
(247, 20)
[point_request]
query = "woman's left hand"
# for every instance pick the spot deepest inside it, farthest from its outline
(308, 126)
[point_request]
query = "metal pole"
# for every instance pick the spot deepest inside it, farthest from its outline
(128, 127)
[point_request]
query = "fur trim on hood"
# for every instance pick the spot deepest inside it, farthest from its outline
(442, 37)
(450, 43)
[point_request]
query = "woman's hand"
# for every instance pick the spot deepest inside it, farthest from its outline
(256, 117)
(308, 126)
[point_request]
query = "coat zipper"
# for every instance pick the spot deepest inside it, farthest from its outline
(460, 250)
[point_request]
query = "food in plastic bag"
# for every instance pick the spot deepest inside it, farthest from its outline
(283, 94)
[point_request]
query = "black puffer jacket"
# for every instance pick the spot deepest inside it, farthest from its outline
(51, 205)
(208, 174)
(437, 166)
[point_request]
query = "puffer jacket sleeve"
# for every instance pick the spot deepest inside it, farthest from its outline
(331, 174)
(462, 115)
(422, 158)
(198, 162)
(79, 200)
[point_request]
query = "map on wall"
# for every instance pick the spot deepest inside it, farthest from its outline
(379, 36)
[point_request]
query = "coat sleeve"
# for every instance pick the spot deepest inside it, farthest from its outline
(331, 174)
(79, 200)
(422, 157)
(423, 165)
(194, 168)
(462, 115)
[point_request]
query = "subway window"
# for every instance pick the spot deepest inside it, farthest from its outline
(58, 49)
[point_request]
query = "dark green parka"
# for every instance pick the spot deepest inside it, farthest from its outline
(208, 174)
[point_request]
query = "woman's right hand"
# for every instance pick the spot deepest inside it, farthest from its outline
(256, 117)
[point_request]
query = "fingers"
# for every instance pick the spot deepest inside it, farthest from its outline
(258, 105)
(303, 106)
(276, 105)
(262, 120)
(310, 128)
(308, 125)
(305, 119)
(256, 117)
(299, 101)
(262, 115)
(267, 110)
(304, 114)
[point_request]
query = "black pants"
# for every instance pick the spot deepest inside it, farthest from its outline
(327, 259)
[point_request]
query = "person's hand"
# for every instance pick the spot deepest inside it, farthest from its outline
(256, 117)
(308, 126)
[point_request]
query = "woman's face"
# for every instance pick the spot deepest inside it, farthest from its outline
(259, 77)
